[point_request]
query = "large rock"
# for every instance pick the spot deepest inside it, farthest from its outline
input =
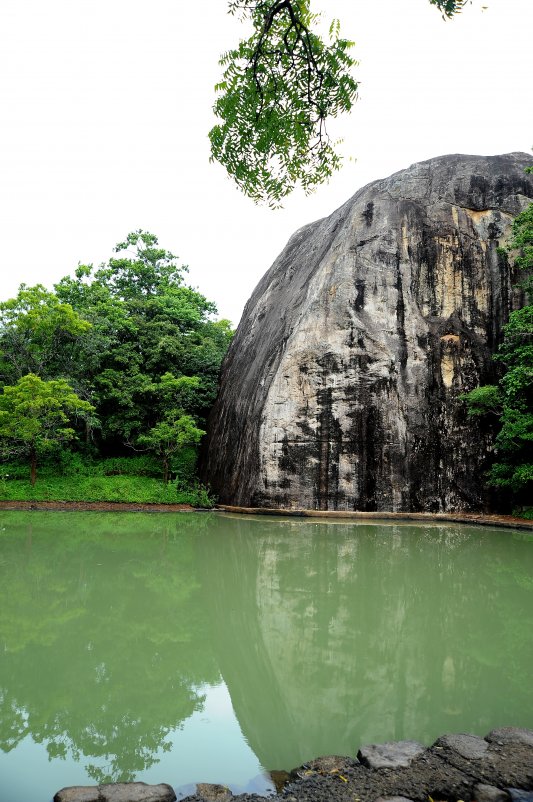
(341, 387)
(117, 792)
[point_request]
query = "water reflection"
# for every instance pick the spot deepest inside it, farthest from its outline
(112, 625)
(342, 635)
(104, 637)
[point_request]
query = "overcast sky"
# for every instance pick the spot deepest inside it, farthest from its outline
(106, 105)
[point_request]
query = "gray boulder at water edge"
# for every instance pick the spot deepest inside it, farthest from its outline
(341, 388)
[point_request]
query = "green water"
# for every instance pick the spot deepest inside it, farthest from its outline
(202, 647)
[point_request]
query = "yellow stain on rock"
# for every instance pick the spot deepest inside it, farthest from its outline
(452, 339)
(455, 216)
(449, 344)
(480, 216)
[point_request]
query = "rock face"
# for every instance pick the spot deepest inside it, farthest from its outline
(340, 390)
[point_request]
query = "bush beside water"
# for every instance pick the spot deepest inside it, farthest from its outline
(129, 479)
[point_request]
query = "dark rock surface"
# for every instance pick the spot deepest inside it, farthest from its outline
(393, 799)
(340, 389)
(470, 747)
(489, 793)
(393, 755)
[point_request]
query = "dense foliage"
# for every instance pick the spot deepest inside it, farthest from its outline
(36, 417)
(279, 88)
(512, 399)
(135, 345)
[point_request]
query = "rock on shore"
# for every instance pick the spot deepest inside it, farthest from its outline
(497, 768)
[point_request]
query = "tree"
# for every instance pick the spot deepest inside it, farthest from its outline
(35, 417)
(38, 334)
(169, 436)
(130, 341)
(511, 401)
(155, 337)
(278, 89)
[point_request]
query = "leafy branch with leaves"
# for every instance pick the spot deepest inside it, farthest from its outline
(279, 89)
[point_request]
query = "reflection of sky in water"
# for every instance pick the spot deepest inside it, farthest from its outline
(210, 745)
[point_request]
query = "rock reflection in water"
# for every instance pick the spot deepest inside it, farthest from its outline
(332, 635)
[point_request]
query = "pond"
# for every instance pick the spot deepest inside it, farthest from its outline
(201, 647)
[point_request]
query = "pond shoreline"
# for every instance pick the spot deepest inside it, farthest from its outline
(98, 506)
(480, 519)
(496, 768)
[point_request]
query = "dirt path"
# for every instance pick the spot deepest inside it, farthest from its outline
(99, 506)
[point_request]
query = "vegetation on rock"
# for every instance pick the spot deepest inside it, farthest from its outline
(512, 399)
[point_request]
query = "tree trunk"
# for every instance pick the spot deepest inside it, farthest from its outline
(165, 470)
(33, 467)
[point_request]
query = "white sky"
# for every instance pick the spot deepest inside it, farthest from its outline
(106, 104)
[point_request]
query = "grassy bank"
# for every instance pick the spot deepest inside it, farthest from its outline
(119, 479)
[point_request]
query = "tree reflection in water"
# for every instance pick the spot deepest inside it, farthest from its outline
(104, 636)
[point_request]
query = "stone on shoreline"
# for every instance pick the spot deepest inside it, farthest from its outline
(518, 795)
(117, 792)
(489, 793)
(465, 767)
(471, 747)
(213, 792)
(328, 764)
(513, 735)
(390, 755)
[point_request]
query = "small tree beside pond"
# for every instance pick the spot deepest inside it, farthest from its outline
(169, 436)
(36, 418)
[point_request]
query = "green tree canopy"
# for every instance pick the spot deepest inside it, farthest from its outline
(38, 334)
(175, 431)
(36, 417)
(153, 339)
(130, 338)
